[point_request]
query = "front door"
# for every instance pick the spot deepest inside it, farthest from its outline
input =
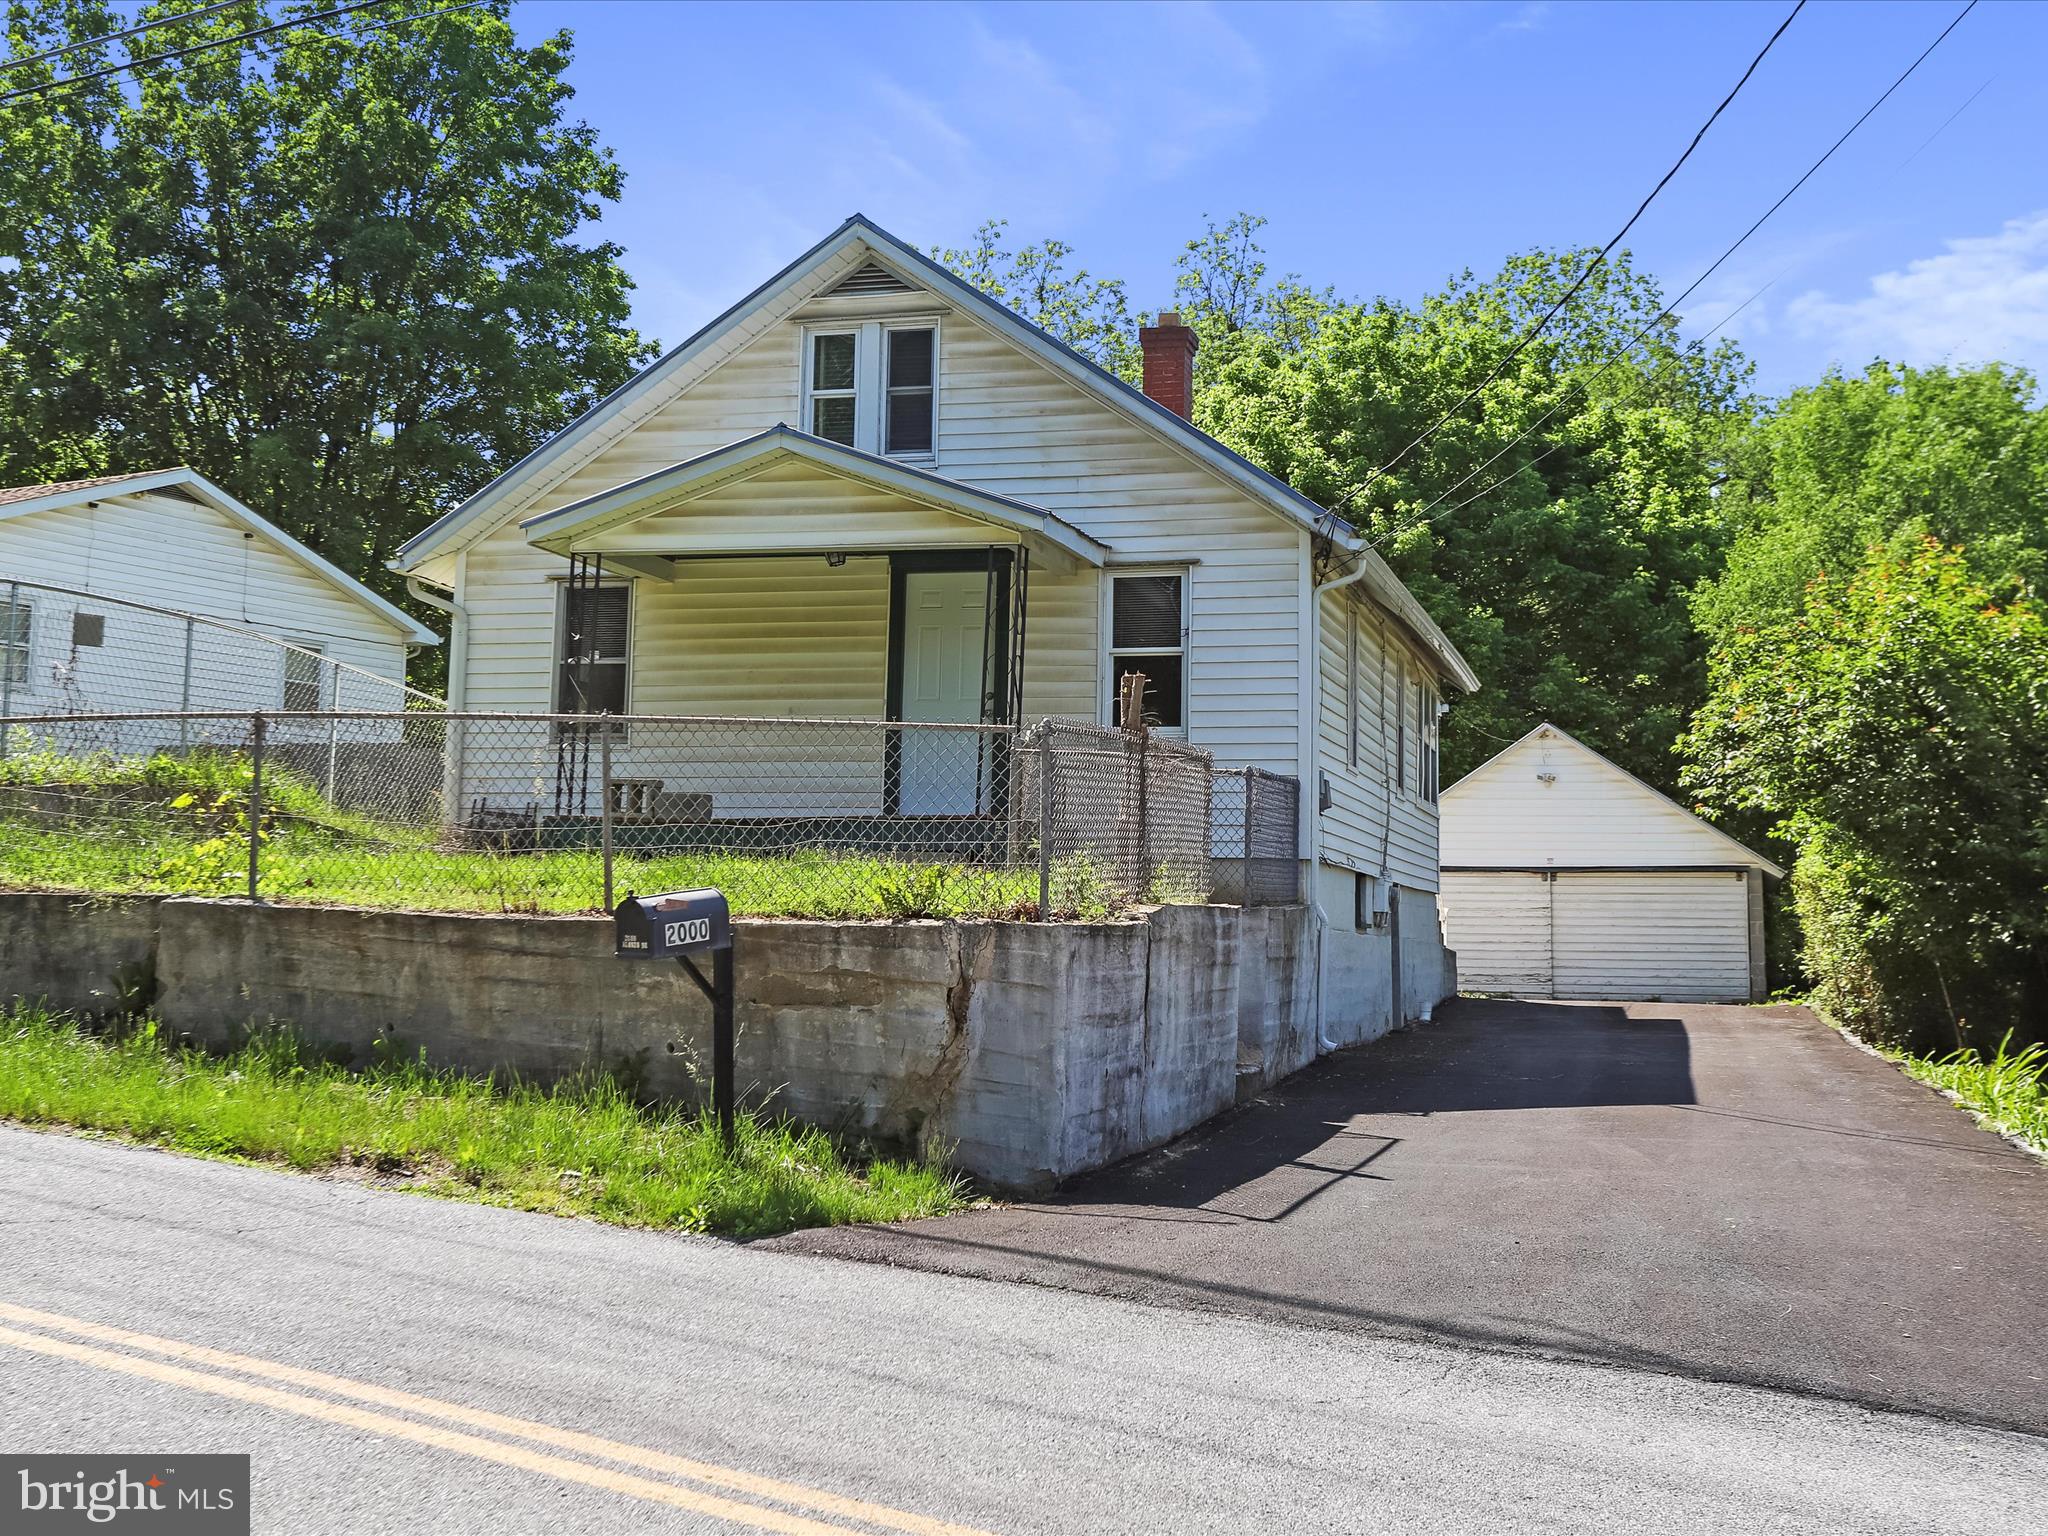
(939, 773)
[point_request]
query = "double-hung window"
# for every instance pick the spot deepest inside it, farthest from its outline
(1426, 741)
(594, 626)
(873, 385)
(1351, 688)
(907, 422)
(1148, 635)
(16, 625)
(302, 669)
(835, 376)
(1400, 725)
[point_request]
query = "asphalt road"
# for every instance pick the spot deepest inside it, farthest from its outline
(393, 1363)
(1734, 1193)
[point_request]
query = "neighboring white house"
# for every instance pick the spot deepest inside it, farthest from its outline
(1567, 876)
(868, 490)
(75, 555)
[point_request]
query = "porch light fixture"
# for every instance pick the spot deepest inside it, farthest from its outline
(836, 558)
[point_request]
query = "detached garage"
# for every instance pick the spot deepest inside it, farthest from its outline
(1566, 876)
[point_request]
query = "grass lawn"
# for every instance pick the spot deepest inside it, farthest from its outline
(2008, 1092)
(179, 825)
(582, 1149)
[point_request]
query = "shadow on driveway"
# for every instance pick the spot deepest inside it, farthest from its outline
(1735, 1193)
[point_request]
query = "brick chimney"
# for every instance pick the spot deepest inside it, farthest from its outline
(1169, 349)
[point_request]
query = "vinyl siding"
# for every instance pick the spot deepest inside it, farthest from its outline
(1499, 924)
(1008, 425)
(1504, 815)
(172, 553)
(1357, 825)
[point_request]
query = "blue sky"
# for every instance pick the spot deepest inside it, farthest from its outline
(1388, 146)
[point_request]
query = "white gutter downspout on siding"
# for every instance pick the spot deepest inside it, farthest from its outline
(458, 647)
(1312, 787)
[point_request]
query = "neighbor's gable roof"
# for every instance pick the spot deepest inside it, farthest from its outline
(854, 244)
(784, 444)
(21, 500)
(1467, 786)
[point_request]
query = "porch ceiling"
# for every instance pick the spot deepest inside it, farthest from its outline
(786, 492)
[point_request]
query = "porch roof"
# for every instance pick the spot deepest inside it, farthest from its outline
(601, 522)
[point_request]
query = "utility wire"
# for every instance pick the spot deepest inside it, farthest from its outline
(115, 37)
(24, 92)
(1717, 264)
(1591, 267)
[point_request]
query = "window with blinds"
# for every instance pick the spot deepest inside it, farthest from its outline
(595, 628)
(1148, 636)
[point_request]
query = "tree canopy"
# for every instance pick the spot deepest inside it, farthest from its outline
(337, 270)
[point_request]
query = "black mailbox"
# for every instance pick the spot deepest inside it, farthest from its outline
(672, 926)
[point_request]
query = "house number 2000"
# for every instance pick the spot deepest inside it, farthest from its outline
(687, 930)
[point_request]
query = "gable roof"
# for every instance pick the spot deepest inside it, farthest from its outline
(1664, 803)
(849, 250)
(782, 444)
(190, 485)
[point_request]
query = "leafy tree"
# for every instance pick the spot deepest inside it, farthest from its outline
(336, 270)
(1891, 457)
(1896, 725)
(1561, 565)
(1088, 313)
(1221, 290)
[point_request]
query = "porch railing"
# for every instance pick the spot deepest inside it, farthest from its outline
(435, 810)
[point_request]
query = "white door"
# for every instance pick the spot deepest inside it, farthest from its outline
(1499, 925)
(939, 773)
(1679, 936)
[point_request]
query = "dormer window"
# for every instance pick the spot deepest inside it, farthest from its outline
(873, 385)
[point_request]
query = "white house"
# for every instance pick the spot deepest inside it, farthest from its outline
(1567, 876)
(97, 576)
(869, 490)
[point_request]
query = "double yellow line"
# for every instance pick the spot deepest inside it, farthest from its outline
(783, 1507)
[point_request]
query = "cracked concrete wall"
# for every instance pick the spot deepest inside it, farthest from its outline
(1030, 1052)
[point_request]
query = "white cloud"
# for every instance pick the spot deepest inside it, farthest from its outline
(1983, 299)
(1527, 18)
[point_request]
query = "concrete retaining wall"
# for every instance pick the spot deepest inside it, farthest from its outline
(1033, 1051)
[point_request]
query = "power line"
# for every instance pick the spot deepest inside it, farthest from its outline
(1666, 312)
(1591, 267)
(115, 37)
(8, 97)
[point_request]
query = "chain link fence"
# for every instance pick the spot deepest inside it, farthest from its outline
(536, 813)
(66, 651)
(1254, 851)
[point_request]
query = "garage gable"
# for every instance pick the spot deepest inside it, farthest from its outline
(1552, 802)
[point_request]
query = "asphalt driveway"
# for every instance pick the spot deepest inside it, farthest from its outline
(1735, 1193)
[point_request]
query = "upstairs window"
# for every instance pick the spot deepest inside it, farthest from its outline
(834, 379)
(590, 678)
(912, 368)
(1351, 680)
(1148, 634)
(1400, 725)
(302, 671)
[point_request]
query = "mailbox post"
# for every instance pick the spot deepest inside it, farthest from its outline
(678, 926)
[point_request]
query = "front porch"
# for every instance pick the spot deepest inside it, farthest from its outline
(785, 578)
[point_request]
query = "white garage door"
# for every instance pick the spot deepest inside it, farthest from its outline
(1682, 936)
(1499, 924)
(1676, 935)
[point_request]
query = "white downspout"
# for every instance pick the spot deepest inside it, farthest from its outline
(458, 641)
(1312, 787)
